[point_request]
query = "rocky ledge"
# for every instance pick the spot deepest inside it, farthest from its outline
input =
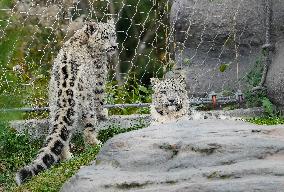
(189, 156)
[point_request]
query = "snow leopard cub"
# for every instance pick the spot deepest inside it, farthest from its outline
(76, 93)
(169, 100)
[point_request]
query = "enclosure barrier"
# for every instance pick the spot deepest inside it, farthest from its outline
(211, 99)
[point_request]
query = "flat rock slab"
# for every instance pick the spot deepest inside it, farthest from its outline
(189, 156)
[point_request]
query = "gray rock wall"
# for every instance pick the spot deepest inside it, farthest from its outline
(275, 76)
(210, 33)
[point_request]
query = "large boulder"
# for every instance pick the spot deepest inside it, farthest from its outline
(197, 156)
(214, 34)
(275, 77)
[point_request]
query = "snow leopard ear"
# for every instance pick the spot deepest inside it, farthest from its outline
(154, 81)
(91, 28)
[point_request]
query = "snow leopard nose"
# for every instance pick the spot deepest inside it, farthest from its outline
(171, 100)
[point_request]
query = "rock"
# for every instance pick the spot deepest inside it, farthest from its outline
(275, 77)
(38, 128)
(224, 34)
(204, 155)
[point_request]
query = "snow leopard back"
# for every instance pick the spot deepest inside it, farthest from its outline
(76, 92)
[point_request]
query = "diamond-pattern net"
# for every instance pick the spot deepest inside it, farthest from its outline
(32, 32)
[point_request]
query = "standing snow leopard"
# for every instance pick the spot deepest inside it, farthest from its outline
(76, 92)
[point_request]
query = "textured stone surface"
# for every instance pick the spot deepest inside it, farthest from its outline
(275, 77)
(195, 156)
(213, 33)
(38, 128)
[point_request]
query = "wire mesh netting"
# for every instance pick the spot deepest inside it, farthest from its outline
(32, 32)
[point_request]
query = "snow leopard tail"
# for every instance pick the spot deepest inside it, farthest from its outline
(54, 150)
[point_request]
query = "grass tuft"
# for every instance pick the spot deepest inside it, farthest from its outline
(266, 120)
(53, 179)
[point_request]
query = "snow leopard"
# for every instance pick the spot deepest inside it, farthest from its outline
(76, 93)
(169, 101)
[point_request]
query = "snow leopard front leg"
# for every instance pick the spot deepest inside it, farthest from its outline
(89, 133)
(94, 100)
(88, 114)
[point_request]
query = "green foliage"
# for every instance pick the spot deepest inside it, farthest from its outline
(28, 47)
(31, 46)
(254, 76)
(130, 92)
(6, 3)
(106, 134)
(53, 179)
(254, 99)
(260, 97)
(267, 120)
(269, 108)
(15, 151)
(144, 39)
(224, 67)
(26, 87)
(77, 144)
(9, 116)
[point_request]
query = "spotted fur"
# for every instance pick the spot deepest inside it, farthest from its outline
(169, 100)
(76, 92)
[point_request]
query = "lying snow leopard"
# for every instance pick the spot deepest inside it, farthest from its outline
(76, 90)
(170, 103)
(169, 100)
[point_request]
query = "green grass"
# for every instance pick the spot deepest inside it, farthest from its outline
(17, 150)
(9, 116)
(52, 179)
(106, 134)
(267, 120)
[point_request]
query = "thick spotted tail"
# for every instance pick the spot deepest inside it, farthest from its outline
(55, 149)
(44, 161)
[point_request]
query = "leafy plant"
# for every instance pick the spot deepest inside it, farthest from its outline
(269, 108)
(53, 179)
(130, 92)
(15, 151)
(253, 79)
(260, 97)
(224, 67)
(267, 120)
(106, 134)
